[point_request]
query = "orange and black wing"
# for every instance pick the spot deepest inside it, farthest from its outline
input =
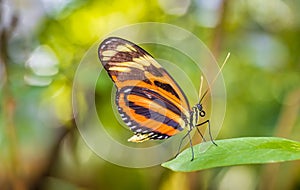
(149, 101)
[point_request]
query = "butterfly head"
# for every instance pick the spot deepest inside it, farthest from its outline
(200, 110)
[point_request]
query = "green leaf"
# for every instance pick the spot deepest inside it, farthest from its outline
(237, 151)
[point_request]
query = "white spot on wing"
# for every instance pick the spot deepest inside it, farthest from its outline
(127, 90)
(153, 62)
(123, 48)
(121, 69)
(142, 61)
(133, 64)
(139, 138)
(109, 53)
(105, 58)
(148, 95)
(130, 47)
(139, 130)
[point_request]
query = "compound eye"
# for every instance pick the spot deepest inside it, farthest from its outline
(202, 113)
(199, 106)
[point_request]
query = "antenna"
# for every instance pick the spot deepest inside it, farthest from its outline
(200, 89)
(208, 89)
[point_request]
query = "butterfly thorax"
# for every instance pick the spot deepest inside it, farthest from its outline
(195, 113)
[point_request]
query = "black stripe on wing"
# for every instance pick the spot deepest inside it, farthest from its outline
(154, 96)
(137, 128)
(148, 112)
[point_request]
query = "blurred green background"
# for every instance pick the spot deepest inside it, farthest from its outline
(43, 41)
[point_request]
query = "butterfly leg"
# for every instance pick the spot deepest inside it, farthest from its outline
(191, 144)
(209, 131)
(182, 142)
(192, 149)
(201, 134)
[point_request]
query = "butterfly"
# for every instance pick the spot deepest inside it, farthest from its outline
(148, 99)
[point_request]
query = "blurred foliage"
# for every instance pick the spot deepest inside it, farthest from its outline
(42, 43)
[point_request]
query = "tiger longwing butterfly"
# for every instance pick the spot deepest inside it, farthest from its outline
(149, 100)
